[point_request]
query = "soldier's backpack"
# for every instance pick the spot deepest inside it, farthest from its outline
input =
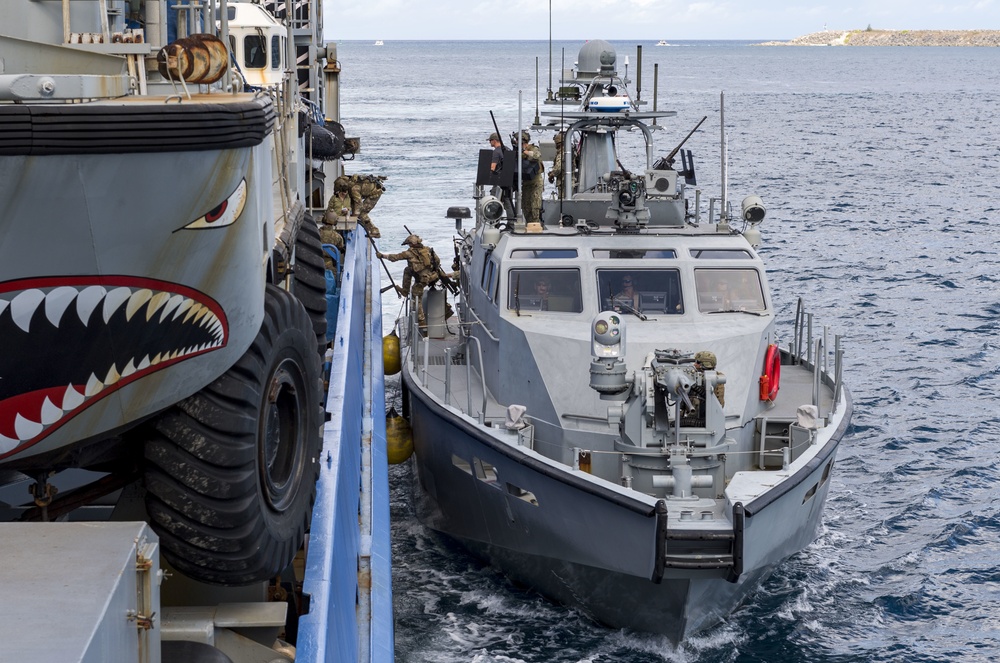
(427, 258)
(529, 169)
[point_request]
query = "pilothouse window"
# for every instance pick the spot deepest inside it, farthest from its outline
(254, 52)
(635, 254)
(729, 290)
(528, 254)
(275, 52)
(556, 290)
(489, 280)
(721, 254)
(646, 291)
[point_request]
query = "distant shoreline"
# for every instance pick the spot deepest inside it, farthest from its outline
(871, 37)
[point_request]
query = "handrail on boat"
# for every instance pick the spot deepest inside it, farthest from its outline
(479, 321)
(838, 372)
(420, 359)
(468, 376)
(801, 352)
(816, 377)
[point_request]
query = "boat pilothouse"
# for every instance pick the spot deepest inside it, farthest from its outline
(610, 418)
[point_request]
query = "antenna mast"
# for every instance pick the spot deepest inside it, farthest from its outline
(549, 97)
(724, 212)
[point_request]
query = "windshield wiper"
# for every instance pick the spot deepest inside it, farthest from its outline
(628, 309)
(738, 310)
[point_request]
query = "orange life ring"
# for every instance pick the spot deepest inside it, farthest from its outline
(769, 382)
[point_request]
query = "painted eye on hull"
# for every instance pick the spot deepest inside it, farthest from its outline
(225, 213)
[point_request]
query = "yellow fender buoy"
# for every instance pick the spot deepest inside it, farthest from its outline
(398, 438)
(390, 354)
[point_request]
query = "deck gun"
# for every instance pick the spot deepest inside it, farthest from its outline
(687, 161)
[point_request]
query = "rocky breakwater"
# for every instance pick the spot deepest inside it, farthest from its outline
(894, 38)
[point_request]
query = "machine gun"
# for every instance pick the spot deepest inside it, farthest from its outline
(667, 162)
(503, 148)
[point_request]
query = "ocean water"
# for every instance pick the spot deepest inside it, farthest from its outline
(879, 169)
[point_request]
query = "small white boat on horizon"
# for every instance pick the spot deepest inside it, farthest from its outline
(662, 43)
(379, 42)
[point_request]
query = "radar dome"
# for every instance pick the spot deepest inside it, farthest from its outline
(597, 57)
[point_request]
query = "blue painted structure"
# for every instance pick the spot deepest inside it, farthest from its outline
(348, 567)
(332, 291)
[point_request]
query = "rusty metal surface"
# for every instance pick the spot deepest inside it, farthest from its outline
(200, 58)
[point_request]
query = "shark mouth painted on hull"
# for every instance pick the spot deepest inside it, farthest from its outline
(67, 342)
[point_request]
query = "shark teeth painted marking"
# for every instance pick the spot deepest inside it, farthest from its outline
(184, 306)
(94, 386)
(50, 412)
(113, 376)
(193, 311)
(155, 302)
(23, 307)
(137, 301)
(88, 300)
(7, 444)
(72, 399)
(171, 304)
(56, 303)
(85, 300)
(26, 428)
(113, 301)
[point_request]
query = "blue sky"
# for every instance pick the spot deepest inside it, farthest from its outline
(643, 19)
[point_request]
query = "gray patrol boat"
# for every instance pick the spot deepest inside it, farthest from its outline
(613, 417)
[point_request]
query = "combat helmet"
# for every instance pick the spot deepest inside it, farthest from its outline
(525, 136)
(706, 359)
(412, 240)
(558, 138)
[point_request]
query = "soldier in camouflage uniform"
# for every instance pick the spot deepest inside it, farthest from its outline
(705, 361)
(364, 192)
(531, 190)
(423, 268)
(328, 235)
(556, 174)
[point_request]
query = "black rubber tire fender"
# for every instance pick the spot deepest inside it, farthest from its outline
(231, 471)
(309, 277)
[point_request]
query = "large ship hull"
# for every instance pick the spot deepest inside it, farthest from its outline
(180, 347)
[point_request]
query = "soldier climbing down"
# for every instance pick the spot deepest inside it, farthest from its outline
(423, 269)
(363, 191)
(329, 235)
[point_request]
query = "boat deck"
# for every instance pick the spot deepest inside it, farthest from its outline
(450, 381)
